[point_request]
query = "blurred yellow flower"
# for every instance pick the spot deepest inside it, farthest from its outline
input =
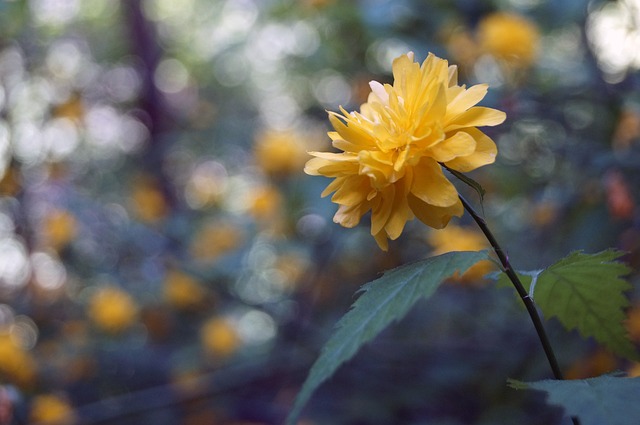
(457, 238)
(219, 337)
(50, 409)
(59, 228)
(182, 291)
(509, 37)
(462, 47)
(392, 150)
(280, 153)
(215, 239)
(148, 201)
(265, 203)
(16, 364)
(112, 309)
(72, 108)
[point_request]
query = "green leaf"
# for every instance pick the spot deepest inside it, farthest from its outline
(586, 292)
(595, 401)
(383, 301)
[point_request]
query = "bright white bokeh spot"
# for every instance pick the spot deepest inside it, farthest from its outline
(256, 327)
(14, 264)
(168, 10)
(48, 271)
(381, 54)
(24, 332)
(614, 35)
(64, 60)
(60, 136)
(103, 126)
(122, 83)
(134, 134)
(208, 180)
(280, 111)
(54, 12)
(29, 145)
(331, 89)
(171, 76)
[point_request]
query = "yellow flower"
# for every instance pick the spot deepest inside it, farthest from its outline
(509, 37)
(183, 291)
(60, 228)
(51, 410)
(456, 238)
(148, 201)
(394, 147)
(112, 309)
(16, 364)
(215, 239)
(219, 337)
(279, 153)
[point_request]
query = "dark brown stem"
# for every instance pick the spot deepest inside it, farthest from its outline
(522, 292)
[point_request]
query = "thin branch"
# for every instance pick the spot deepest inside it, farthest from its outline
(522, 292)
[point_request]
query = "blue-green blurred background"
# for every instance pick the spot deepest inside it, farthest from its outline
(164, 259)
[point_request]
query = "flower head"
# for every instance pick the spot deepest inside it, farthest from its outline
(510, 38)
(394, 148)
(279, 153)
(112, 309)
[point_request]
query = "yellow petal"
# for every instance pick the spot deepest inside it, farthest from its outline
(432, 216)
(333, 186)
(459, 144)
(352, 191)
(431, 186)
(382, 209)
(400, 212)
(466, 99)
(382, 240)
(477, 116)
(348, 216)
(453, 75)
(484, 154)
(331, 164)
(354, 134)
(377, 165)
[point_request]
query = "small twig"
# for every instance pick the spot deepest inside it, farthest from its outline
(522, 292)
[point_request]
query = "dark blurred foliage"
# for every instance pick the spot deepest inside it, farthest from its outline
(163, 258)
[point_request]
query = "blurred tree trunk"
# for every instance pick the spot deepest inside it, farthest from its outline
(153, 110)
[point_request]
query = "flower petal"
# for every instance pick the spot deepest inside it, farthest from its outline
(477, 116)
(382, 239)
(352, 191)
(459, 144)
(400, 212)
(431, 186)
(348, 216)
(466, 99)
(382, 210)
(331, 164)
(432, 216)
(354, 134)
(484, 154)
